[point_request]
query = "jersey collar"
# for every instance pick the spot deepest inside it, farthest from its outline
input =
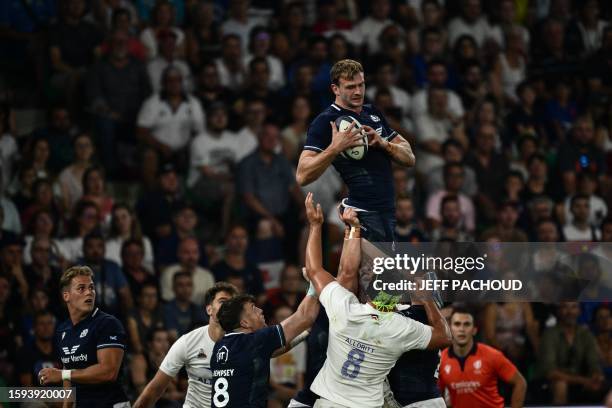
(473, 350)
(88, 318)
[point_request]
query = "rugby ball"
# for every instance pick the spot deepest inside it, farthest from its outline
(357, 152)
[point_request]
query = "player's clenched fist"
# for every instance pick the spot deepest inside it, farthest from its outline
(342, 140)
(314, 214)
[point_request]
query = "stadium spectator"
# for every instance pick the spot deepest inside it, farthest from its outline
(125, 226)
(166, 57)
(407, 228)
(505, 228)
(452, 152)
(9, 214)
(113, 292)
(236, 264)
(585, 33)
(267, 185)
(209, 89)
(511, 66)
(168, 120)
(450, 227)
(587, 184)
(568, 359)
(143, 366)
(437, 76)
(431, 48)
(184, 223)
(435, 127)
(289, 293)
(293, 136)
(94, 191)
(257, 84)
(42, 200)
(73, 44)
(453, 180)
(41, 353)
(155, 207)
(602, 329)
(188, 254)
(255, 113)
(70, 180)
(44, 227)
(180, 314)
(330, 21)
(37, 156)
(147, 317)
(579, 228)
(386, 77)
(259, 47)
(10, 339)
(38, 301)
(230, 65)
(162, 19)
(41, 273)
(132, 257)
(203, 38)
(12, 268)
(122, 19)
(472, 22)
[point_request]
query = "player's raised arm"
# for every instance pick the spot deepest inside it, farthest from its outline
(441, 336)
(312, 164)
(350, 259)
(318, 276)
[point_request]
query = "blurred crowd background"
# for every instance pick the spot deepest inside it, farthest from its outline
(156, 141)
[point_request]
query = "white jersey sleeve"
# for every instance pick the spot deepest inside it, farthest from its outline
(175, 359)
(337, 301)
(412, 335)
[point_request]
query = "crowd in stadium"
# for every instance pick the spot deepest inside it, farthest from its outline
(157, 142)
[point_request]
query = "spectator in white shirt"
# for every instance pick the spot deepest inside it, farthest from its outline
(188, 254)
(163, 19)
(239, 22)
(230, 65)
(386, 77)
(367, 31)
(259, 47)
(587, 185)
(165, 58)
(254, 117)
(125, 226)
(437, 75)
(167, 120)
(579, 229)
(473, 23)
(453, 181)
(214, 154)
(433, 128)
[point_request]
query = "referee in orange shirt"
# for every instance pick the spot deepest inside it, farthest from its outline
(469, 370)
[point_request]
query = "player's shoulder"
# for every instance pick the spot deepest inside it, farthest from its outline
(444, 355)
(331, 113)
(102, 320)
(487, 351)
(193, 336)
(63, 327)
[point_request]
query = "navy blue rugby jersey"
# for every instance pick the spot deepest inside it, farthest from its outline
(415, 375)
(241, 367)
(369, 180)
(77, 347)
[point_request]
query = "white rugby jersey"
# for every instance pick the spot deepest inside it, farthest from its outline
(193, 351)
(364, 344)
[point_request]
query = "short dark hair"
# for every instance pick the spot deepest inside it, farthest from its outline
(42, 314)
(181, 274)
(211, 293)
(95, 234)
(577, 197)
(447, 199)
(463, 310)
(230, 313)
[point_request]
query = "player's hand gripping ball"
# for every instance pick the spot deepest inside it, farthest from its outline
(355, 152)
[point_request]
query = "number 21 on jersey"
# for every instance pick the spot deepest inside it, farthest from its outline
(352, 365)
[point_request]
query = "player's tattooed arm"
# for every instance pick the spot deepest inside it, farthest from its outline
(351, 252)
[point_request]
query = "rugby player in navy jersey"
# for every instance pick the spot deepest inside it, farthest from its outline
(369, 180)
(91, 345)
(240, 361)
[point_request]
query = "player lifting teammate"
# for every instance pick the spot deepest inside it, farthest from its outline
(364, 341)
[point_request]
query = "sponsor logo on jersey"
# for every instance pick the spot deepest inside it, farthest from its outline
(447, 369)
(222, 355)
(84, 333)
(69, 351)
(477, 366)
(374, 118)
(113, 337)
(201, 353)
